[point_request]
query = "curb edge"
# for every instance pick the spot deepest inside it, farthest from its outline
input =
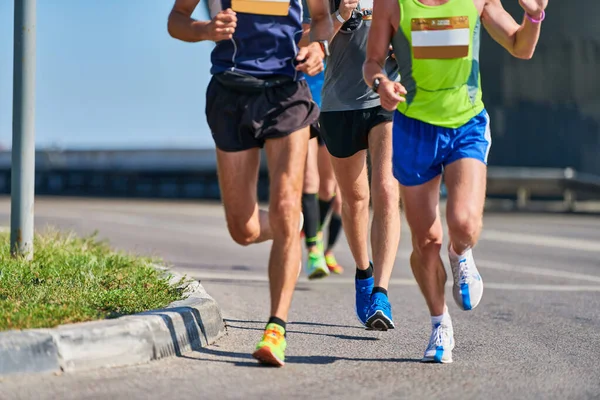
(183, 326)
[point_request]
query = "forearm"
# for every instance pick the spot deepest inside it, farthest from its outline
(526, 39)
(337, 25)
(305, 40)
(373, 69)
(321, 28)
(187, 29)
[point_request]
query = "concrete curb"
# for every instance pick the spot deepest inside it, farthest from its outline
(183, 326)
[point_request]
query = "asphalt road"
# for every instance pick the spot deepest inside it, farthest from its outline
(536, 333)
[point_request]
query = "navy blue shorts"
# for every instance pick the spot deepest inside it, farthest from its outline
(422, 150)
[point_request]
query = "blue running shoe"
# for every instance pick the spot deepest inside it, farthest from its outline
(364, 287)
(379, 317)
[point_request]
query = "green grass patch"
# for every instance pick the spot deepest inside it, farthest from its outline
(73, 279)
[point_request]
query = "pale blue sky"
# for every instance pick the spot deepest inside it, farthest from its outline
(110, 76)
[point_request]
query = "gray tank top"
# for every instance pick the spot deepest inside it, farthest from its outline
(344, 88)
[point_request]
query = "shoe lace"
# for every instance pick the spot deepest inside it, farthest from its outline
(440, 336)
(378, 302)
(464, 272)
(365, 293)
(273, 336)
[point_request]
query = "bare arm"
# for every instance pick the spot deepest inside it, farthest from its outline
(378, 46)
(321, 26)
(305, 41)
(518, 40)
(346, 7)
(380, 36)
(182, 26)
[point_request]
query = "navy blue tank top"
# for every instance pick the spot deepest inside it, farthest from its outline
(262, 45)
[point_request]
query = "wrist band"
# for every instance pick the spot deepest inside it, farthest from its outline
(536, 21)
(339, 17)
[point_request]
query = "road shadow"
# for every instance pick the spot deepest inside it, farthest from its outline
(246, 359)
(333, 335)
(227, 320)
(195, 336)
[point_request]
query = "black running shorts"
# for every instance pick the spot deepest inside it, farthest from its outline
(243, 112)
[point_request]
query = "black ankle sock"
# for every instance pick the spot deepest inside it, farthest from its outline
(324, 206)
(378, 289)
(366, 273)
(278, 321)
(310, 208)
(335, 226)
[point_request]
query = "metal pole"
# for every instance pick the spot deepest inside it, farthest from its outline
(23, 143)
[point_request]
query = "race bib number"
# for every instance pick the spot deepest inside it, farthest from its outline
(440, 38)
(262, 7)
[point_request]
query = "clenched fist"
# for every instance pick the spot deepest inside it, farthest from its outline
(346, 7)
(534, 7)
(222, 25)
(390, 94)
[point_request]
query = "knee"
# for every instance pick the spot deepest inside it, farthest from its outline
(386, 194)
(465, 225)
(326, 188)
(311, 182)
(356, 199)
(244, 232)
(428, 243)
(284, 216)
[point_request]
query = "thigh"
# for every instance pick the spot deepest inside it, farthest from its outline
(351, 176)
(380, 147)
(327, 183)
(224, 114)
(421, 208)
(238, 178)
(286, 158)
(344, 132)
(465, 172)
(465, 181)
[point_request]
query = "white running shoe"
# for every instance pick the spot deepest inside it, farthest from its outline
(468, 285)
(441, 343)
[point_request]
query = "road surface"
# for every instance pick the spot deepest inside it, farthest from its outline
(536, 333)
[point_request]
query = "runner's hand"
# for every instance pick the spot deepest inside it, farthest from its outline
(346, 7)
(391, 93)
(311, 59)
(222, 25)
(534, 7)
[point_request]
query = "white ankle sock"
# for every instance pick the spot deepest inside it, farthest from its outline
(454, 255)
(437, 319)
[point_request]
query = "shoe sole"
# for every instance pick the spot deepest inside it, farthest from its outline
(265, 356)
(433, 361)
(379, 322)
(318, 274)
(465, 303)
